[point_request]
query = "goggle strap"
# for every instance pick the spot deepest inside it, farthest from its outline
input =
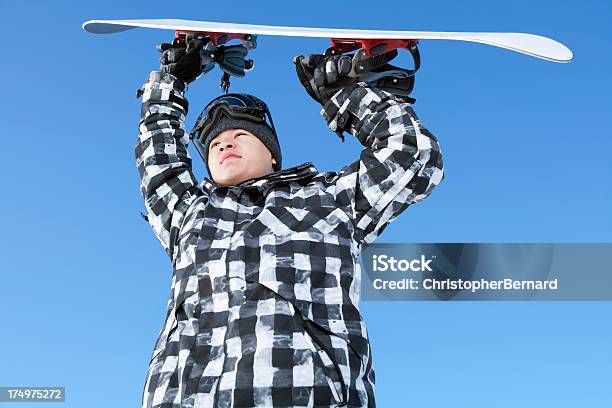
(225, 110)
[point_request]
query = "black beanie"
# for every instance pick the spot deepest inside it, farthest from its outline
(260, 130)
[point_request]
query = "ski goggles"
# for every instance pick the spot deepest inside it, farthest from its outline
(235, 106)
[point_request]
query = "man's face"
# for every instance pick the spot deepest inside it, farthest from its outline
(236, 155)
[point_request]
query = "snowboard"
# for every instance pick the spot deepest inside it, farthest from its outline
(373, 41)
(374, 48)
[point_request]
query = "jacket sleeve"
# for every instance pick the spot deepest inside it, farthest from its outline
(164, 164)
(399, 165)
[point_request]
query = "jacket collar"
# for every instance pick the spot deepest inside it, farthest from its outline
(290, 174)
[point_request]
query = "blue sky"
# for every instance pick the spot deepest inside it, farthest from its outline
(526, 147)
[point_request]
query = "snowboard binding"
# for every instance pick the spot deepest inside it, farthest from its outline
(231, 59)
(371, 63)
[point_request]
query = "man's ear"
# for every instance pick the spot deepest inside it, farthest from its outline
(273, 160)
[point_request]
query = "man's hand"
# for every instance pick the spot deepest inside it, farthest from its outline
(324, 76)
(183, 60)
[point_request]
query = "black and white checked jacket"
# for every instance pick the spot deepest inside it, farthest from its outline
(264, 305)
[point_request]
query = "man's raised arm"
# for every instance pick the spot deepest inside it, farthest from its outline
(164, 164)
(399, 165)
(401, 161)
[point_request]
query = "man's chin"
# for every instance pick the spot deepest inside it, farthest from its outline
(234, 175)
(232, 178)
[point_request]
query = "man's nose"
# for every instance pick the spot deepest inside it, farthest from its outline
(227, 145)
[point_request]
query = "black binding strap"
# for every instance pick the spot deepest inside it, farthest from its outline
(393, 79)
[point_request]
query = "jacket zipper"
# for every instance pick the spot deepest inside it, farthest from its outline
(307, 324)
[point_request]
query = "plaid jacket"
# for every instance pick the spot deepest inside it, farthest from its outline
(263, 309)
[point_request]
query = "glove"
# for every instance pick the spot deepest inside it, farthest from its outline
(184, 62)
(231, 59)
(322, 76)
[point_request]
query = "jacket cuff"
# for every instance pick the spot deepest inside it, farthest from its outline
(161, 81)
(162, 88)
(351, 107)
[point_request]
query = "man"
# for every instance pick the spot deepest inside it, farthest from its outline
(263, 309)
